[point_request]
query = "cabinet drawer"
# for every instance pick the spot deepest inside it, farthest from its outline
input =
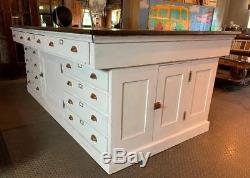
(92, 96)
(97, 78)
(92, 117)
(92, 136)
(77, 51)
(39, 41)
(20, 37)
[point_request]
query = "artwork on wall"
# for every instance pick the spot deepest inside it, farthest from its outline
(168, 17)
(201, 18)
(211, 3)
(192, 2)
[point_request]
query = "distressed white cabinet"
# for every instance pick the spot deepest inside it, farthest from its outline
(142, 91)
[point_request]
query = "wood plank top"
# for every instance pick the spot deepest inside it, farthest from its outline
(126, 32)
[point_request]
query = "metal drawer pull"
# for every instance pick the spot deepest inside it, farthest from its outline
(37, 88)
(70, 101)
(93, 138)
(35, 65)
(41, 74)
(36, 77)
(81, 122)
(68, 66)
(34, 52)
(157, 105)
(69, 83)
(74, 49)
(71, 117)
(21, 37)
(81, 104)
(93, 96)
(28, 39)
(93, 118)
(27, 60)
(51, 44)
(38, 41)
(80, 65)
(80, 86)
(28, 71)
(25, 49)
(93, 76)
(28, 81)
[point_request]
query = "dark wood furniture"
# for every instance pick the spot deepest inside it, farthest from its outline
(236, 67)
(12, 13)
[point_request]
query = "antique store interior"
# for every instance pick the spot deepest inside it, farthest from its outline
(79, 78)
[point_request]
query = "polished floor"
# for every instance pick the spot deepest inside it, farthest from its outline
(32, 144)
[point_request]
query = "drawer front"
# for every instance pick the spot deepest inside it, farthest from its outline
(29, 39)
(92, 136)
(39, 41)
(97, 78)
(76, 50)
(92, 96)
(92, 117)
(20, 38)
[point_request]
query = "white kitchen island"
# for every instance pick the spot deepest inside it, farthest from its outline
(143, 91)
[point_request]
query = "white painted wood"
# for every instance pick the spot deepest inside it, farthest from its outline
(133, 96)
(108, 56)
(172, 84)
(124, 114)
(200, 90)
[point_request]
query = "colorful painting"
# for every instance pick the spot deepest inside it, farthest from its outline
(201, 18)
(168, 17)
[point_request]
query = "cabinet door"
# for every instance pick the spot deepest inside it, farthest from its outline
(53, 81)
(132, 106)
(172, 83)
(201, 89)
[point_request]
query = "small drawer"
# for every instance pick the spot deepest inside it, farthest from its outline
(92, 117)
(76, 51)
(94, 97)
(29, 39)
(14, 35)
(97, 78)
(20, 37)
(92, 136)
(39, 41)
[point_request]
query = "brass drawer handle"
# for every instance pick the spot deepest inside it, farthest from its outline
(36, 77)
(93, 96)
(27, 60)
(157, 105)
(38, 41)
(74, 49)
(71, 117)
(93, 138)
(41, 74)
(21, 37)
(28, 39)
(35, 65)
(69, 83)
(68, 66)
(37, 88)
(28, 71)
(93, 118)
(93, 76)
(51, 44)
(70, 101)
(25, 49)
(34, 52)
(28, 82)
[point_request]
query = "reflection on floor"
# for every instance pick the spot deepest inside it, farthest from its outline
(33, 144)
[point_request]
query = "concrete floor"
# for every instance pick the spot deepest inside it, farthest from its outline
(32, 144)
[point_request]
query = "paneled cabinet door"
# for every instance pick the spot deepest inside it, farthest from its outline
(200, 90)
(133, 96)
(171, 88)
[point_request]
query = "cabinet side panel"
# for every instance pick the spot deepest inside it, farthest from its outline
(134, 108)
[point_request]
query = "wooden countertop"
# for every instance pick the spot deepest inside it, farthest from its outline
(124, 32)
